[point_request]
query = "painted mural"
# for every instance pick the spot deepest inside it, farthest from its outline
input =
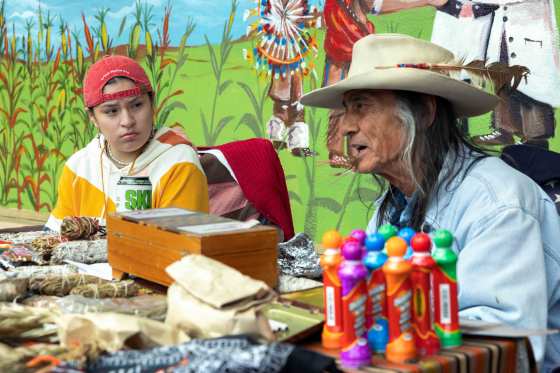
(234, 69)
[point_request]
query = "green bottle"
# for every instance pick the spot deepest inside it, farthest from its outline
(446, 303)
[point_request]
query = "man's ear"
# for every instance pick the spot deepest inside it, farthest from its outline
(430, 113)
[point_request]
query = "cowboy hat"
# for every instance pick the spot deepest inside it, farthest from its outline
(404, 63)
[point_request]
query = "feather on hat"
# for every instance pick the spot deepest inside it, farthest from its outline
(401, 62)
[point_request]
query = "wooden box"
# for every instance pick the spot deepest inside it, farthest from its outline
(143, 243)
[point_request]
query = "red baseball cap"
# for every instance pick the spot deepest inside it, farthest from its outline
(109, 67)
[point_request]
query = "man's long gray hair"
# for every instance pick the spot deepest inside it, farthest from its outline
(425, 149)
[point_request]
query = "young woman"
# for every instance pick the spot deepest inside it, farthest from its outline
(129, 165)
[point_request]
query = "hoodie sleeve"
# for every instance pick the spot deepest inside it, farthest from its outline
(183, 185)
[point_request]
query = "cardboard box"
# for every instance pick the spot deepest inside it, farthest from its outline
(144, 242)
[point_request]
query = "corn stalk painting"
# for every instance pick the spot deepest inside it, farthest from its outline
(209, 88)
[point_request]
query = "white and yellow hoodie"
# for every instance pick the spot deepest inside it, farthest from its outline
(87, 185)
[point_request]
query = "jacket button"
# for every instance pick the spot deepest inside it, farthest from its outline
(505, 8)
(510, 39)
(513, 55)
(504, 19)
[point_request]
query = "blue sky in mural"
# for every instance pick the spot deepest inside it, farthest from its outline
(209, 15)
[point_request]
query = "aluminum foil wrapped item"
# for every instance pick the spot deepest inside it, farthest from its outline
(288, 284)
(297, 257)
(87, 252)
(23, 237)
(44, 271)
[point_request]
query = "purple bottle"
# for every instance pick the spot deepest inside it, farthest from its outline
(353, 274)
(360, 236)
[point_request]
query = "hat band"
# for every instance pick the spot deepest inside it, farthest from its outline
(136, 91)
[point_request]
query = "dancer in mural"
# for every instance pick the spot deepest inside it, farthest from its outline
(283, 44)
(515, 33)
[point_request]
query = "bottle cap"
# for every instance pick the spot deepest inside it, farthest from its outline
(331, 239)
(407, 233)
(359, 235)
(396, 246)
(421, 243)
(352, 250)
(388, 231)
(375, 242)
(443, 238)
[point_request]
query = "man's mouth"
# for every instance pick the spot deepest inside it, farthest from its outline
(357, 149)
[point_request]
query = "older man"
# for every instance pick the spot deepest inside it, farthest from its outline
(401, 111)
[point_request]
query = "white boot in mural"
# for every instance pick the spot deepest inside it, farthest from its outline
(298, 140)
(276, 131)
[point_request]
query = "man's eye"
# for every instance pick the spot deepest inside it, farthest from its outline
(110, 111)
(358, 106)
(138, 104)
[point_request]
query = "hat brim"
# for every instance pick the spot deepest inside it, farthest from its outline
(466, 99)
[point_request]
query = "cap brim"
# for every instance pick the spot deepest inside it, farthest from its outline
(467, 100)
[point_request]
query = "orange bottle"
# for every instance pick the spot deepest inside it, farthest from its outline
(401, 347)
(332, 298)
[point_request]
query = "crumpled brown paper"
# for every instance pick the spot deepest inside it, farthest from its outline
(96, 333)
(209, 299)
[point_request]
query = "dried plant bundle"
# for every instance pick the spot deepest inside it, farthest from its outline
(22, 322)
(121, 289)
(61, 285)
(80, 227)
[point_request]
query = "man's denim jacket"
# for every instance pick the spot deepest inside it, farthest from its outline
(507, 238)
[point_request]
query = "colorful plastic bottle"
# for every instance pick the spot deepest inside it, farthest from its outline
(427, 342)
(446, 303)
(360, 236)
(332, 298)
(401, 347)
(376, 309)
(355, 352)
(387, 231)
(406, 234)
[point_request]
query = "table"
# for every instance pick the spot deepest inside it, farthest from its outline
(478, 354)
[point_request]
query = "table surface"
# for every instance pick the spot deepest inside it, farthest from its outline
(477, 354)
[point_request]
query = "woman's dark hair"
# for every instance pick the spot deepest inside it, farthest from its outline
(426, 150)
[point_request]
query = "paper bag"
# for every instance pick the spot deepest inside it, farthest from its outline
(209, 299)
(95, 333)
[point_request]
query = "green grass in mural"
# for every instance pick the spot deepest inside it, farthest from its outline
(221, 98)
